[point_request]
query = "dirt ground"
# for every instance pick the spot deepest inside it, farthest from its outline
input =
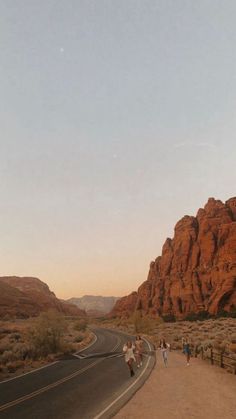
(198, 391)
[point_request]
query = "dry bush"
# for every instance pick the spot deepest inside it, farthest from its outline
(5, 346)
(81, 325)
(14, 336)
(79, 338)
(7, 356)
(46, 336)
(203, 335)
(14, 366)
(22, 350)
(142, 324)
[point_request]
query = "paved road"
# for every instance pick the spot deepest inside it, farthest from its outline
(76, 388)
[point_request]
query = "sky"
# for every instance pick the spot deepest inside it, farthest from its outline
(118, 117)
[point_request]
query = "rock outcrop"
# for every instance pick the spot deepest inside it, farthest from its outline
(197, 269)
(26, 297)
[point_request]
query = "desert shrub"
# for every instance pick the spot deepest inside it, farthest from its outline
(14, 337)
(223, 313)
(222, 346)
(217, 344)
(7, 318)
(142, 324)
(66, 348)
(7, 356)
(81, 325)
(5, 346)
(5, 330)
(202, 315)
(169, 318)
(78, 338)
(207, 344)
(46, 335)
(22, 350)
(197, 347)
(14, 365)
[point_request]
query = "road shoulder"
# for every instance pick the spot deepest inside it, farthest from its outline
(199, 391)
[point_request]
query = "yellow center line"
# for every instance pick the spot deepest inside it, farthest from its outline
(53, 385)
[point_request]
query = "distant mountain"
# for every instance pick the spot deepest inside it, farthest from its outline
(26, 297)
(94, 304)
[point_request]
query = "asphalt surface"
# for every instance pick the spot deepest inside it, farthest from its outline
(93, 385)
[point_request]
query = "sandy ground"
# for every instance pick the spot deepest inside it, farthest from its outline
(198, 391)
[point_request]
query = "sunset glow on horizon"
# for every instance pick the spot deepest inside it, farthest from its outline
(118, 119)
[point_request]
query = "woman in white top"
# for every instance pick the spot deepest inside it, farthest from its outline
(164, 348)
(128, 349)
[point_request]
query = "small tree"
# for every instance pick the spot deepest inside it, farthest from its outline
(142, 324)
(46, 336)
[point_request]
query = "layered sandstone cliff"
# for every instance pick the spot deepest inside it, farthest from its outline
(197, 269)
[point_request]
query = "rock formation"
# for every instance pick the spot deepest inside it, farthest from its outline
(197, 269)
(25, 297)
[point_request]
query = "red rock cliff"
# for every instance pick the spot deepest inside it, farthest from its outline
(25, 297)
(197, 269)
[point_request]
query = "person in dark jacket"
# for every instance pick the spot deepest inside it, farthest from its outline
(187, 351)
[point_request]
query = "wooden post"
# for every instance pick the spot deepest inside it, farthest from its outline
(212, 359)
(202, 352)
(221, 360)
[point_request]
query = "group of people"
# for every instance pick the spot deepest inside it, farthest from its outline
(164, 347)
(133, 353)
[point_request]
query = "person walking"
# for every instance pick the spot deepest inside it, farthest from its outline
(139, 351)
(187, 351)
(164, 346)
(128, 350)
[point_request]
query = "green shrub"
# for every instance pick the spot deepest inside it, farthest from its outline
(202, 315)
(46, 336)
(169, 318)
(227, 314)
(81, 325)
(79, 338)
(141, 323)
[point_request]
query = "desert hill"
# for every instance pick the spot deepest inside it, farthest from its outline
(197, 269)
(94, 305)
(26, 296)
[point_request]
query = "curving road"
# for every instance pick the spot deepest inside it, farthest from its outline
(92, 385)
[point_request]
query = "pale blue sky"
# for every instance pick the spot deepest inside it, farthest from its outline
(117, 118)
